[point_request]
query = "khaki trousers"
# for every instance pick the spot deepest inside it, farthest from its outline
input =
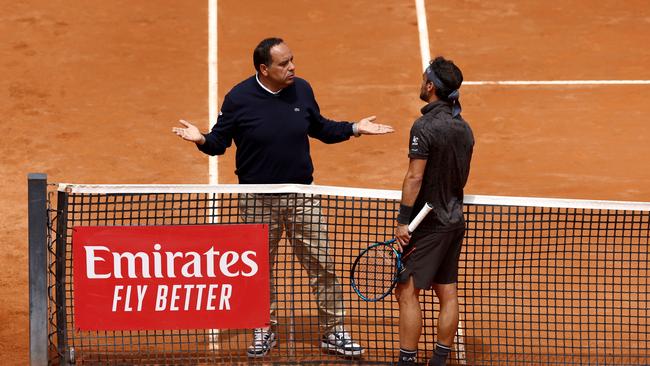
(299, 217)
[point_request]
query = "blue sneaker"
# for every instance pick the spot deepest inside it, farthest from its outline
(341, 342)
(263, 341)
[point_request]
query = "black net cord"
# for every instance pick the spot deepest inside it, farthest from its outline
(60, 278)
(52, 218)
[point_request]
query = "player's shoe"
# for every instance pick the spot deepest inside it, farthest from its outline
(341, 342)
(406, 363)
(263, 341)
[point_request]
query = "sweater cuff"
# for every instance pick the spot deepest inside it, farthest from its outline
(203, 148)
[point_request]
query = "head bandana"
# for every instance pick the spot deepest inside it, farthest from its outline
(453, 97)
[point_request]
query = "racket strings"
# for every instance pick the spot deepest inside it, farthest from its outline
(375, 272)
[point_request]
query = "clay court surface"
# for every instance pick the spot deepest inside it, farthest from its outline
(91, 89)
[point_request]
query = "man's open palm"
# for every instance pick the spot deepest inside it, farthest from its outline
(189, 133)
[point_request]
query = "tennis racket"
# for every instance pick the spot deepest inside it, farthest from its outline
(376, 270)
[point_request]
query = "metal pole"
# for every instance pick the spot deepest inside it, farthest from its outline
(37, 215)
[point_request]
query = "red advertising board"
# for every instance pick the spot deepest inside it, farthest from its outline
(171, 277)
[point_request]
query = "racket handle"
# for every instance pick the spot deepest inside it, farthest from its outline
(420, 216)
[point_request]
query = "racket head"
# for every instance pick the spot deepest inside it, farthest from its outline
(375, 271)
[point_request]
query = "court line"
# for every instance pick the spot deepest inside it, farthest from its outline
(213, 86)
(213, 95)
(423, 31)
(558, 82)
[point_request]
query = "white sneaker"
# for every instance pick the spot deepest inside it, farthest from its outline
(263, 341)
(341, 342)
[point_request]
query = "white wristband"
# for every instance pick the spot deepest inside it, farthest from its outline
(355, 130)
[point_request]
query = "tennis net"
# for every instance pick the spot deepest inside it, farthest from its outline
(541, 281)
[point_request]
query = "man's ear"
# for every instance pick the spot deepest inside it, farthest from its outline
(430, 87)
(264, 70)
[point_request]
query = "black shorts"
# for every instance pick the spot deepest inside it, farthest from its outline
(433, 258)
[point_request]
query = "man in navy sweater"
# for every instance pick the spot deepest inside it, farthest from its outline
(271, 116)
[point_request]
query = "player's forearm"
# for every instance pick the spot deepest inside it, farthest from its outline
(410, 189)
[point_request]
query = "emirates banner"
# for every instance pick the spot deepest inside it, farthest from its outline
(171, 277)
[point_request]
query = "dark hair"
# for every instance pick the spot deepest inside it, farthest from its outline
(448, 73)
(262, 53)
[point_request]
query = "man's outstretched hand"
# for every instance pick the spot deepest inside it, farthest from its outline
(366, 126)
(189, 132)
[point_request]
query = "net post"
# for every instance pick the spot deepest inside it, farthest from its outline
(37, 218)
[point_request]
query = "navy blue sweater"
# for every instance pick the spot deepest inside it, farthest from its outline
(272, 132)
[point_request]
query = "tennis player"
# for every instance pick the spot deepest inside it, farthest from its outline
(270, 117)
(440, 151)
